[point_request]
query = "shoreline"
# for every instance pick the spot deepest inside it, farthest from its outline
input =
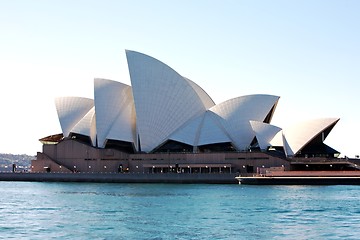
(189, 178)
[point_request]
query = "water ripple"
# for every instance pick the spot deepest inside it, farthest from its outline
(161, 211)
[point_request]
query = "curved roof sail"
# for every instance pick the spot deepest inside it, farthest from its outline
(300, 134)
(205, 98)
(71, 110)
(237, 112)
(164, 100)
(161, 107)
(115, 111)
(264, 133)
(87, 126)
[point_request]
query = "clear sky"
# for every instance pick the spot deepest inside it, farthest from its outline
(307, 52)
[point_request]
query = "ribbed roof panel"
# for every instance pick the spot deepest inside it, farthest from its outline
(212, 131)
(87, 126)
(298, 135)
(71, 110)
(237, 112)
(205, 98)
(164, 100)
(264, 133)
(115, 113)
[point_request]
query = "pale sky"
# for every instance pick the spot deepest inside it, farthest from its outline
(307, 52)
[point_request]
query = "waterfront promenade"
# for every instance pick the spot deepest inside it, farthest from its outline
(218, 178)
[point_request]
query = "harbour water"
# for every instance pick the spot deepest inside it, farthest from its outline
(35, 210)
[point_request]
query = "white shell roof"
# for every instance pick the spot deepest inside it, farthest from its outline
(212, 131)
(115, 112)
(162, 105)
(205, 98)
(279, 140)
(87, 126)
(264, 133)
(71, 110)
(189, 132)
(294, 138)
(237, 112)
(202, 130)
(164, 100)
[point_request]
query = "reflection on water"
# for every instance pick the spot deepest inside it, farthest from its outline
(174, 211)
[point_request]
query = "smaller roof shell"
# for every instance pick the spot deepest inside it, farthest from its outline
(71, 110)
(264, 133)
(236, 113)
(115, 111)
(87, 126)
(297, 136)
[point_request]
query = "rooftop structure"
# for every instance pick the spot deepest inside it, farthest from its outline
(164, 112)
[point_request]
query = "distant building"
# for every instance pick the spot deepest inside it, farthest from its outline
(165, 122)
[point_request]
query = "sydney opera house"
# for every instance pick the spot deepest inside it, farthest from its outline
(166, 123)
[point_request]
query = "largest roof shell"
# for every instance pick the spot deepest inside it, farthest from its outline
(164, 100)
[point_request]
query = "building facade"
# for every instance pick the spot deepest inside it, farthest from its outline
(165, 123)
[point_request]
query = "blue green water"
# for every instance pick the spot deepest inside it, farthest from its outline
(172, 211)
